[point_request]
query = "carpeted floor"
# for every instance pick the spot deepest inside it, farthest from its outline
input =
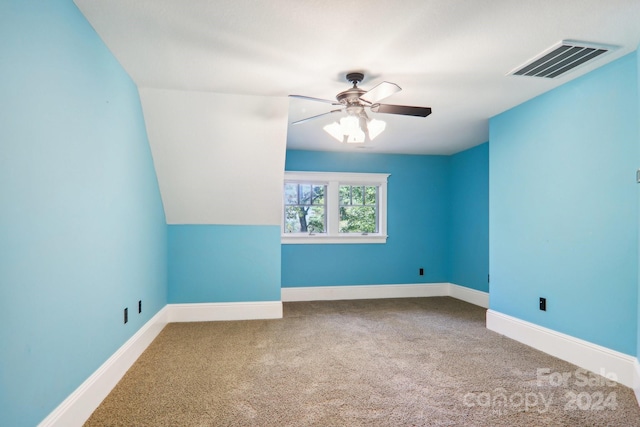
(393, 362)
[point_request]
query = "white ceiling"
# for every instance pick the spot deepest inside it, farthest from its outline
(451, 55)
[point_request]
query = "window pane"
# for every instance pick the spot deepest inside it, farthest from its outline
(357, 196)
(291, 194)
(345, 195)
(304, 219)
(371, 195)
(291, 224)
(305, 194)
(316, 220)
(318, 195)
(358, 219)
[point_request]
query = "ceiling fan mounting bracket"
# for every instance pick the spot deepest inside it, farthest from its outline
(355, 78)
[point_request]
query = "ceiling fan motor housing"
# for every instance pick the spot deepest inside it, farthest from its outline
(351, 96)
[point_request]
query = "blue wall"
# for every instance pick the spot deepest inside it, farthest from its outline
(638, 121)
(224, 263)
(468, 259)
(564, 208)
(82, 229)
(417, 224)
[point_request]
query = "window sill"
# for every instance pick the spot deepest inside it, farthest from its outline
(305, 239)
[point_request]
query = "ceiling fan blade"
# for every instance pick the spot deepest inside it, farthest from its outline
(401, 109)
(380, 92)
(316, 116)
(310, 98)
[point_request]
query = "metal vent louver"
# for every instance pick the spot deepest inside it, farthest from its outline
(561, 58)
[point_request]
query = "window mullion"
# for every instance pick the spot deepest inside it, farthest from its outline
(333, 207)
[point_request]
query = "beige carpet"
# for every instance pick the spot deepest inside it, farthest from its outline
(394, 362)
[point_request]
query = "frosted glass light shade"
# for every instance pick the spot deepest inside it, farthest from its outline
(349, 131)
(376, 127)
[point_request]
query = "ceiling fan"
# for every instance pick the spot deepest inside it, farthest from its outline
(356, 126)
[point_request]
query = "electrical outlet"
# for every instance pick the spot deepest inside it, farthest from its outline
(140, 306)
(126, 315)
(422, 271)
(543, 304)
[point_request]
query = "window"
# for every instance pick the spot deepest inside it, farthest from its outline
(333, 207)
(358, 209)
(305, 210)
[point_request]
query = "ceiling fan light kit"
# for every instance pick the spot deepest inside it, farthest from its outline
(356, 127)
(350, 131)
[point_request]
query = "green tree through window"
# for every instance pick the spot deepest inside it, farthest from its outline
(358, 209)
(305, 208)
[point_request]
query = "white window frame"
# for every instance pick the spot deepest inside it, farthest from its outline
(333, 181)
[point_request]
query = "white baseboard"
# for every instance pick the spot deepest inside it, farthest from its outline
(584, 354)
(80, 404)
(469, 295)
(636, 379)
(209, 312)
(326, 293)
